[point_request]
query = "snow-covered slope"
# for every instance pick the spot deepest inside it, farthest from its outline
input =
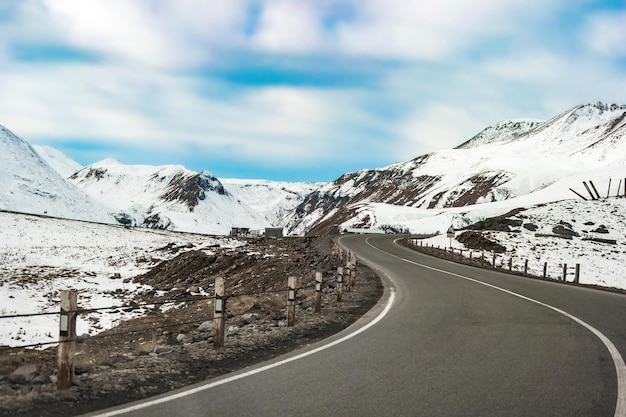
(586, 142)
(502, 131)
(28, 184)
(40, 256)
(272, 199)
(61, 163)
(167, 197)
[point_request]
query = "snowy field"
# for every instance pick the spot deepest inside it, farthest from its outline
(41, 256)
(601, 264)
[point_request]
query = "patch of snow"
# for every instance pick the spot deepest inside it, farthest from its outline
(41, 256)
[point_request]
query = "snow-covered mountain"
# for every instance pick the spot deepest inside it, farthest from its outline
(523, 166)
(513, 162)
(61, 163)
(272, 199)
(168, 197)
(502, 131)
(29, 184)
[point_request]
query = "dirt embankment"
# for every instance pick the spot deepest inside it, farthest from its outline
(170, 348)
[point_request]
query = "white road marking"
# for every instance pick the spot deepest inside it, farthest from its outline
(192, 391)
(618, 361)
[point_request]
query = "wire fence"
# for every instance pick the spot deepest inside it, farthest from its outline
(505, 262)
(232, 293)
(135, 306)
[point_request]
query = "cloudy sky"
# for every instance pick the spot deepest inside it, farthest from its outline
(296, 89)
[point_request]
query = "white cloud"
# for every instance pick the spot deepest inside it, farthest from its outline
(115, 28)
(606, 34)
(430, 30)
(558, 81)
(435, 127)
(286, 26)
(117, 105)
(432, 84)
(173, 34)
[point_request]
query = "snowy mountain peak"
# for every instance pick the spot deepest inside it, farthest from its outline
(590, 132)
(29, 184)
(166, 197)
(190, 188)
(603, 106)
(500, 132)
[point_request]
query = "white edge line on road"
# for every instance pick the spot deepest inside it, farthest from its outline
(192, 391)
(618, 361)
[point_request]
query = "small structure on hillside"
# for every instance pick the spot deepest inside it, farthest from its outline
(239, 231)
(273, 232)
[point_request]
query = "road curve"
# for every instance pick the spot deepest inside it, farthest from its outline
(446, 340)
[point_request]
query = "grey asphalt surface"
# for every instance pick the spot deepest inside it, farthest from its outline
(447, 347)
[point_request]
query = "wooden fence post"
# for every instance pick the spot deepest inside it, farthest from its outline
(219, 304)
(577, 274)
(318, 292)
(348, 277)
(510, 264)
(291, 301)
(339, 283)
(67, 338)
(545, 270)
(354, 267)
(525, 267)
(564, 272)
(494, 260)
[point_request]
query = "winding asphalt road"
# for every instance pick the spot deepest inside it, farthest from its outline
(445, 340)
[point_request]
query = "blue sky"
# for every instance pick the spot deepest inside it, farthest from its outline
(296, 90)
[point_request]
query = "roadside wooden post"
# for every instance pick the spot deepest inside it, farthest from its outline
(545, 270)
(348, 277)
(354, 268)
(525, 267)
(318, 292)
(564, 272)
(67, 338)
(339, 283)
(470, 257)
(510, 264)
(219, 305)
(291, 301)
(577, 274)
(494, 260)
(482, 258)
